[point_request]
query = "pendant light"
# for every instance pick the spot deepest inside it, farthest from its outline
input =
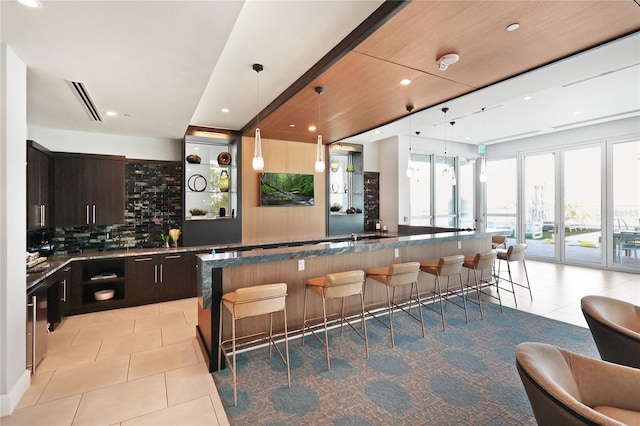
(410, 169)
(453, 168)
(445, 172)
(483, 164)
(258, 160)
(319, 165)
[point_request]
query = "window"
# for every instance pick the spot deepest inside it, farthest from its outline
(420, 190)
(502, 194)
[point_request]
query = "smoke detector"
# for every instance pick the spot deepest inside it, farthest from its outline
(446, 60)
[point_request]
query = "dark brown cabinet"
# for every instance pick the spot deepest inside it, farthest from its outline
(91, 276)
(89, 189)
(159, 277)
(38, 203)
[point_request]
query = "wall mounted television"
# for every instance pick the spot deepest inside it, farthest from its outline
(286, 189)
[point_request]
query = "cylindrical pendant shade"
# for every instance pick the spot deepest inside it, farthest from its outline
(319, 166)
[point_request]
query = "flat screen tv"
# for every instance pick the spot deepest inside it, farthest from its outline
(286, 189)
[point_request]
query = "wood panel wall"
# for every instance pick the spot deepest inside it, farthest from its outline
(275, 223)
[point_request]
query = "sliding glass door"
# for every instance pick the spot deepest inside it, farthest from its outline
(540, 224)
(625, 221)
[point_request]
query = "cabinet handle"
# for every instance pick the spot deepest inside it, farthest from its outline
(64, 290)
(143, 259)
(161, 272)
(87, 214)
(94, 213)
(34, 304)
(155, 274)
(42, 213)
(175, 256)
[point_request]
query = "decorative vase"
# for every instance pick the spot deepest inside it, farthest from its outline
(351, 168)
(334, 165)
(224, 181)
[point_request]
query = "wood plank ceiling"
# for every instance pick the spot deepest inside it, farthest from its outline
(363, 91)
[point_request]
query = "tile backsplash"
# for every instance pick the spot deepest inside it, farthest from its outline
(153, 205)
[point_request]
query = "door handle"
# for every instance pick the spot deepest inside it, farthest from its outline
(87, 214)
(155, 274)
(64, 290)
(94, 213)
(161, 272)
(34, 304)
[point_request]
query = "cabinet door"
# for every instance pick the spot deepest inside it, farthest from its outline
(175, 276)
(70, 194)
(104, 180)
(37, 188)
(142, 280)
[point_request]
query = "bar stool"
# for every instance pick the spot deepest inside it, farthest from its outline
(515, 253)
(334, 286)
(499, 241)
(398, 274)
(445, 267)
(250, 302)
(480, 262)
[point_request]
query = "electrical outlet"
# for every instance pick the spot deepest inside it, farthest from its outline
(396, 252)
(301, 265)
(459, 245)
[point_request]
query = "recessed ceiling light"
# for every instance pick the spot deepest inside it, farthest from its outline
(225, 110)
(292, 125)
(30, 3)
(577, 113)
(527, 98)
(312, 128)
(405, 82)
(513, 26)
(111, 113)
(467, 138)
(377, 132)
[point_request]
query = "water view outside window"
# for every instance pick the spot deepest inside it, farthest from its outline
(626, 204)
(502, 195)
(420, 190)
(582, 205)
(445, 192)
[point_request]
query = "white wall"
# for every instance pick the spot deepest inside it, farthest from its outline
(14, 377)
(133, 147)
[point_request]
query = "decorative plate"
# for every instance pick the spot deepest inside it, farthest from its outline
(224, 158)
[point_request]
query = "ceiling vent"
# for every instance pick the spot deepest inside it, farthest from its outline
(85, 98)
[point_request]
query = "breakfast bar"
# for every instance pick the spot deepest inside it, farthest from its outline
(294, 264)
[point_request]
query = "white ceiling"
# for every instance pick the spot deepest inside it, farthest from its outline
(163, 65)
(168, 64)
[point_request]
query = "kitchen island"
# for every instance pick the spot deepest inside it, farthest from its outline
(223, 272)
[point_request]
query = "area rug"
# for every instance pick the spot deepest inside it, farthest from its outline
(465, 375)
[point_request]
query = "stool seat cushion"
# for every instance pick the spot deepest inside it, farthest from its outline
(338, 284)
(396, 274)
(255, 300)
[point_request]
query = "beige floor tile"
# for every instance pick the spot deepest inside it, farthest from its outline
(137, 312)
(60, 412)
(196, 412)
(65, 358)
(223, 420)
(103, 331)
(38, 383)
(178, 333)
(185, 305)
(61, 339)
(188, 383)
(166, 319)
(197, 348)
(122, 402)
(125, 345)
(160, 360)
(75, 322)
(86, 377)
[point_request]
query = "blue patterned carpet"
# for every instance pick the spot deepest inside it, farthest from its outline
(462, 376)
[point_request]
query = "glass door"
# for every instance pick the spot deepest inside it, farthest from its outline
(625, 172)
(582, 178)
(540, 225)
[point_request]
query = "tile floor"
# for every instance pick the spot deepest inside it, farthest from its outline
(143, 366)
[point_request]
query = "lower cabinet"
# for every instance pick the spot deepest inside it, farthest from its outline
(159, 278)
(98, 285)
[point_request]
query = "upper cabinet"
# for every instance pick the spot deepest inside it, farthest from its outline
(211, 190)
(38, 203)
(346, 189)
(89, 189)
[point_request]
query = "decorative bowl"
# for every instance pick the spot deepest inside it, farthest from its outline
(104, 294)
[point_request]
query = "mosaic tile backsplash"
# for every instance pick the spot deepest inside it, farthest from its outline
(153, 206)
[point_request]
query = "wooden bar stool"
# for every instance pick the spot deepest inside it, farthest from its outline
(445, 267)
(250, 302)
(334, 286)
(515, 253)
(481, 262)
(398, 274)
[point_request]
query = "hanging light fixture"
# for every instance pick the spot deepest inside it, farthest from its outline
(319, 166)
(258, 160)
(410, 169)
(453, 168)
(445, 172)
(483, 164)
